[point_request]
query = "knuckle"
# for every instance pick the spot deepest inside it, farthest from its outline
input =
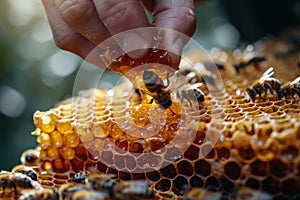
(114, 12)
(62, 40)
(72, 10)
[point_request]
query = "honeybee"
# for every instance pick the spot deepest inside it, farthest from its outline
(136, 190)
(201, 193)
(119, 189)
(30, 157)
(104, 183)
(202, 75)
(28, 171)
(11, 182)
(89, 195)
(45, 194)
(265, 83)
(161, 93)
(80, 177)
(66, 191)
(256, 60)
(292, 88)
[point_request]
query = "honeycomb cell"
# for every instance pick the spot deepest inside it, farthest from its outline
(163, 185)
(180, 185)
(81, 153)
(192, 153)
(58, 165)
(71, 140)
(196, 181)
(156, 144)
(253, 183)
(278, 168)
(77, 165)
(46, 124)
(270, 185)
(130, 162)
(259, 168)
(199, 137)
(125, 176)
(208, 151)
(290, 153)
(119, 161)
(290, 187)
(185, 168)
(101, 167)
(202, 168)
(56, 139)
(148, 160)
(67, 153)
(47, 165)
(136, 147)
(226, 184)
(223, 153)
(138, 176)
(53, 153)
(64, 126)
(44, 140)
(153, 175)
(169, 171)
(212, 182)
(232, 170)
(122, 146)
(107, 157)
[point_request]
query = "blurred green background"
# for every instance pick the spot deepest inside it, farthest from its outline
(35, 74)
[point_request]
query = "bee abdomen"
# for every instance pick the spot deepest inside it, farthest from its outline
(152, 81)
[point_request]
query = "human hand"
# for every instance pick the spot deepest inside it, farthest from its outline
(79, 26)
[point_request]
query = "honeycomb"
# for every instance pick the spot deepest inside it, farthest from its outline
(230, 147)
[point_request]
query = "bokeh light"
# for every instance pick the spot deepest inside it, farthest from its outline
(12, 103)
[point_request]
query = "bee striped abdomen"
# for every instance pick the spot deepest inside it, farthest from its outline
(152, 81)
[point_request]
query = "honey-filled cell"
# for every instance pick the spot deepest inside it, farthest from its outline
(67, 153)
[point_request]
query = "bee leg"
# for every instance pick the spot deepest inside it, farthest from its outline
(269, 87)
(13, 185)
(295, 91)
(279, 94)
(188, 100)
(4, 186)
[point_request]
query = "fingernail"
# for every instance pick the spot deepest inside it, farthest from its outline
(134, 44)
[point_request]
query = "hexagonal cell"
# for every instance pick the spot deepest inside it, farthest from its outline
(169, 171)
(180, 185)
(259, 168)
(202, 167)
(185, 168)
(278, 168)
(212, 182)
(232, 170)
(163, 185)
(223, 153)
(192, 153)
(290, 187)
(196, 181)
(271, 185)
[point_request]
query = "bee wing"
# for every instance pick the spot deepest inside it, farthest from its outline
(196, 85)
(267, 74)
(178, 82)
(295, 81)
